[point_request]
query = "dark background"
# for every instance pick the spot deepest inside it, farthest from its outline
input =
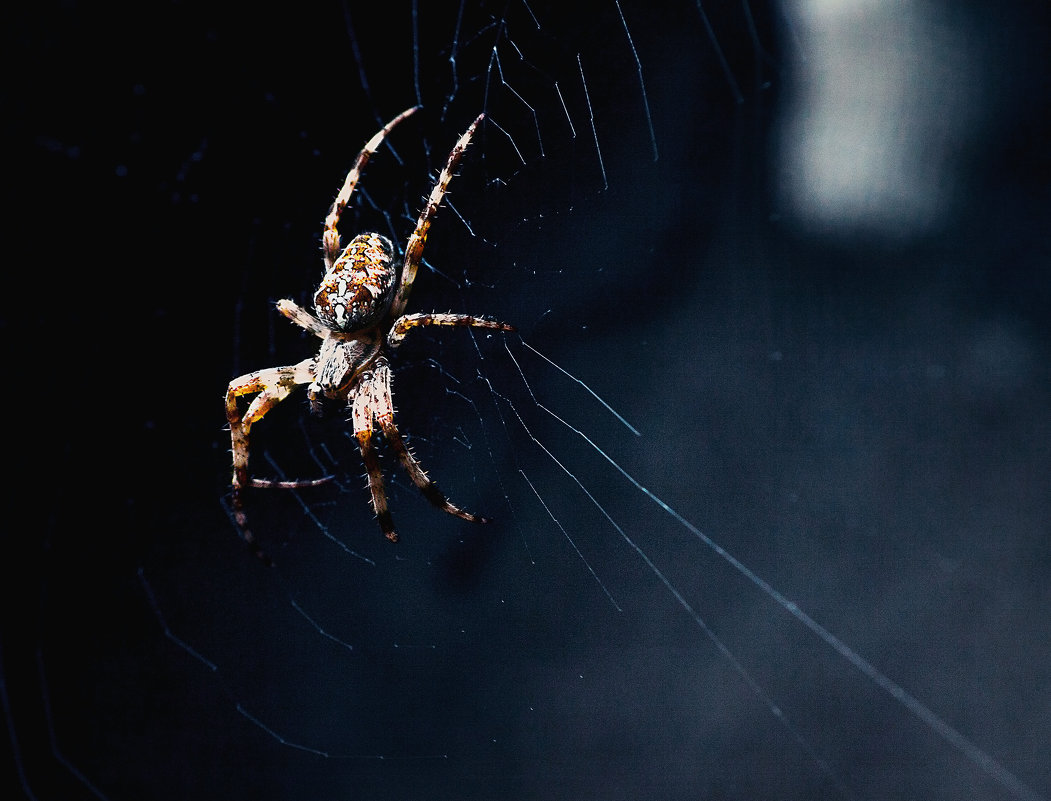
(859, 415)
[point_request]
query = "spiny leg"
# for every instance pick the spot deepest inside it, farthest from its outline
(273, 386)
(301, 317)
(330, 236)
(383, 412)
(414, 247)
(362, 415)
(407, 322)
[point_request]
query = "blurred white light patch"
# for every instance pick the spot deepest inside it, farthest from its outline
(878, 116)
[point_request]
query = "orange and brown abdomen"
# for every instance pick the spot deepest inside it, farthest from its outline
(358, 288)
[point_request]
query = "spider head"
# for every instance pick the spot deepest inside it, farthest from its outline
(339, 363)
(357, 290)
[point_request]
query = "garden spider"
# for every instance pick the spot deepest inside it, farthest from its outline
(359, 319)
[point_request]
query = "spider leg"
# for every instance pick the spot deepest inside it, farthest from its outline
(330, 243)
(362, 414)
(414, 247)
(273, 386)
(384, 416)
(301, 317)
(407, 322)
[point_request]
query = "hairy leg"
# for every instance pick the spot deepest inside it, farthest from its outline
(272, 386)
(414, 247)
(362, 406)
(301, 317)
(407, 322)
(330, 243)
(384, 416)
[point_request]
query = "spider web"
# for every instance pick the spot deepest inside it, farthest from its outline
(769, 514)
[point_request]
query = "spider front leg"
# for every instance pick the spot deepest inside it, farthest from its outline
(403, 325)
(363, 404)
(273, 386)
(374, 405)
(385, 418)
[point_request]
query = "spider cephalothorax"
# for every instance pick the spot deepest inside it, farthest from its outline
(360, 319)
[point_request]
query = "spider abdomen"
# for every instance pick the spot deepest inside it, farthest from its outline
(359, 287)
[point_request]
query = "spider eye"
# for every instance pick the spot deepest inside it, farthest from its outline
(359, 287)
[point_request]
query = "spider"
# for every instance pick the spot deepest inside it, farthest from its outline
(359, 318)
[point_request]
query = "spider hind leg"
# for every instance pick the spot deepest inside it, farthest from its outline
(418, 238)
(331, 246)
